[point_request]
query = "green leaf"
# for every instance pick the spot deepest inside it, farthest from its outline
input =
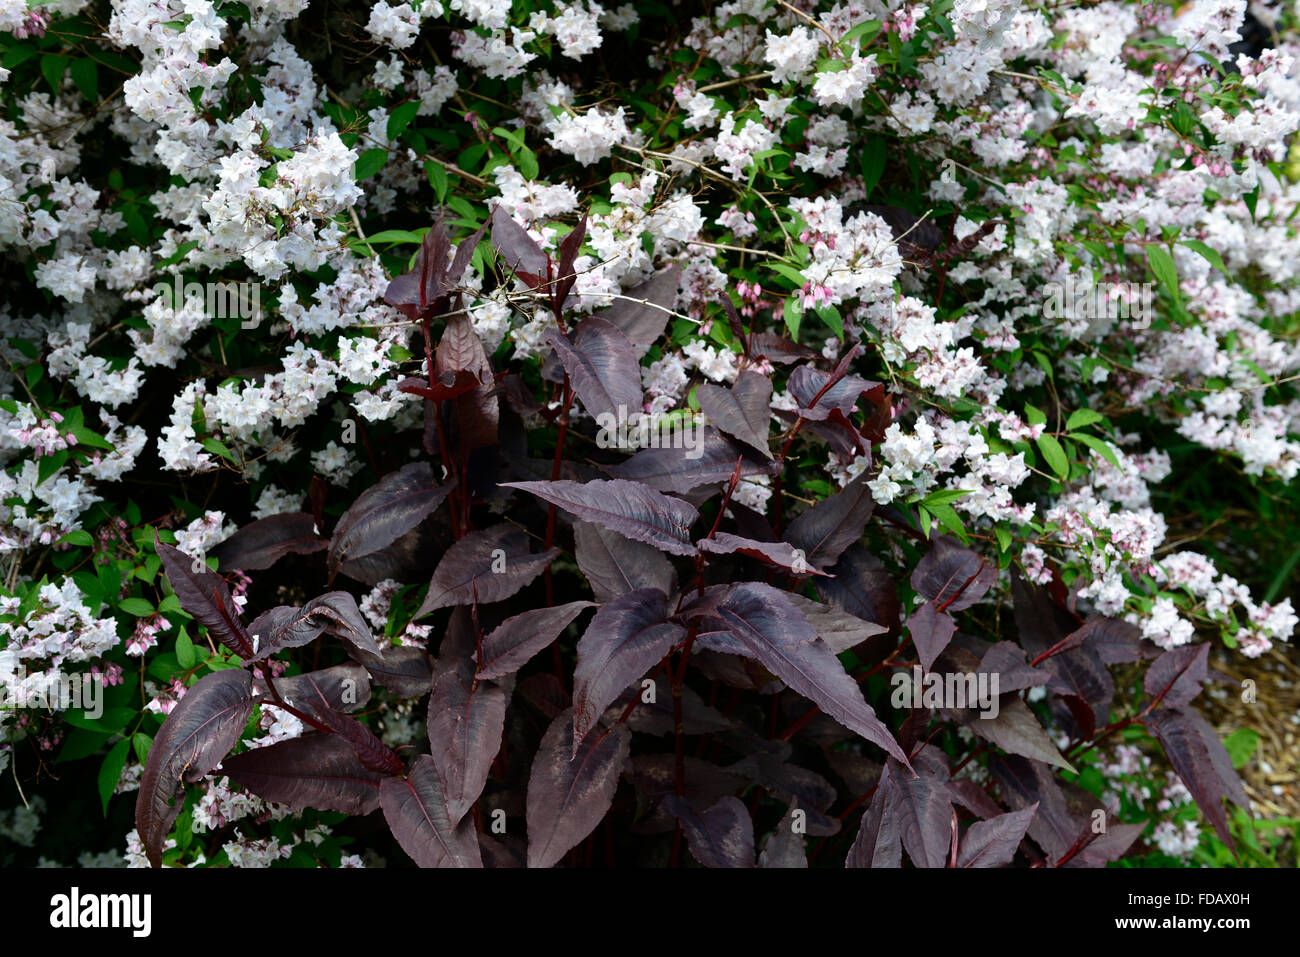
(437, 179)
(873, 163)
(136, 606)
(113, 719)
(830, 315)
(788, 272)
(1240, 745)
(1003, 537)
(944, 496)
(1099, 446)
(1083, 418)
(142, 743)
(86, 76)
(217, 447)
(186, 654)
(948, 519)
(53, 66)
(1054, 455)
(1034, 415)
(792, 314)
(1162, 265)
(111, 770)
(369, 163)
(78, 537)
(401, 118)
(1210, 255)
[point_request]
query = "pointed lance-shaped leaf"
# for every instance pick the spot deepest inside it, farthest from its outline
(710, 460)
(836, 627)
(1016, 729)
(742, 411)
(775, 348)
(518, 250)
(385, 512)
(416, 293)
(832, 525)
(204, 595)
(994, 842)
(643, 313)
(931, 631)
(518, 638)
(785, 847)
(373, 754)
(778, 554)
(261, 544)
(953, 576)
(769, 628)
(194, 739)
(478, 412)
(879, 842)
(1201, 761)
(569, 248)
(624, 640)
(1177, 675)
(319, 771)
(807, 383)
(407, 672)
(416, 810)
(723, 836)
(628, 508)
(1023, 783)
(485, 566)
(615, 564)
(465, 723)
(569, 793)
(334, 613)
(602, 368)
(924, 808)
(340, 688)
(863, 587)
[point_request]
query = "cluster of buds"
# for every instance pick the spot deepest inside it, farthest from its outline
(44, 437)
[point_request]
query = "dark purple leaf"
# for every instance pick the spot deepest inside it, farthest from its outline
(1024, 782)
(517, 639)
(790, 782)
(1015, 729)
(319, 771)
(785, 847)
(485, 566)
(723, 836)
(416, 810)
(262, 543)
(931, 631)
(1006, 659)
(766, 626)
(1117, 642)
(341, 688)
(656, 717)
(569, 248)
(417, 292)
(334, 613)
(953, 576)
(465, 722)
(780, 554)
(863, 587)
(625, 638)
(518, 250)
(924, 808)
(1040, 621)
(569, 793)
(373, 754)
(385, 512)
(832, 525)
(194, 739)
(1177, 675)
(407, 672)
(743, 411)
(879, 842)
(644, 313)
(204, 595)
(766, 345)
(628, 508)
(806, 383)
(615, 564)
(1108, 847)
(711, 461)
(972, 797)
(602, 368)
(478, 412)
(834, 626)
(994, 842)
(1199, 758)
